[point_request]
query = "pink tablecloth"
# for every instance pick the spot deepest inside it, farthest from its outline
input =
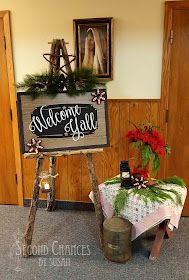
(142, 216)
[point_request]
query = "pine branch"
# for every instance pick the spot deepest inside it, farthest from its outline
(114, 180)
(81, 81)
(172, 180)
(42, 84)
(153, 194)
(120, 201)
(178, 199)
(76, 83)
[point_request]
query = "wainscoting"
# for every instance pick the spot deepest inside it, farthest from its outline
(73, 182)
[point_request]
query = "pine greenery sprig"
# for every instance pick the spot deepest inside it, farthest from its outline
(172, 180)
(114, 180)
(120, 201)
(42, 84)
(178, 199)
(80, 81)
(77, 82)
(153, 194)
(168, 150)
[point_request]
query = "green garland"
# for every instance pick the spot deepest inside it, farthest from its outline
(81, 79)
(77, 82)
(153, 193)
(120, 201)
(172, 180)
(42, 84)
(114, 180)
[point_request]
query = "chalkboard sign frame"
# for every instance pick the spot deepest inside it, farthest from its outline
(21, 96)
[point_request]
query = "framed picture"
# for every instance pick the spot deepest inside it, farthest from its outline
(93, 45)
(63, 122)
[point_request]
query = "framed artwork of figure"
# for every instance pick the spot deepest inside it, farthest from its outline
(93, 45)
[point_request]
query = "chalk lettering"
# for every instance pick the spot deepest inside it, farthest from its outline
(69, 120)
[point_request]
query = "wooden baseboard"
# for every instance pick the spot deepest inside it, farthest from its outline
(64, 205)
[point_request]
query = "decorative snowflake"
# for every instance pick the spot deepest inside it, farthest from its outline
(35, 146)
(139, 182)
(99, 95)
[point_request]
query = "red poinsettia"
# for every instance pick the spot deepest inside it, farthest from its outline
(151, 144)
(148, 136)
(141, 171)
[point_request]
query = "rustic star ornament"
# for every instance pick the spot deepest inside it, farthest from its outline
(59, 68)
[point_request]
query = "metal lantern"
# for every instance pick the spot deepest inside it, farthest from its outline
(117, 239)
(45, 184)
(125, 175)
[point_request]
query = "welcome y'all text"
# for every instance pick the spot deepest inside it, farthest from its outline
(64, 121)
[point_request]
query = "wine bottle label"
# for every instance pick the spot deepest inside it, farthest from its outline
(125, 175)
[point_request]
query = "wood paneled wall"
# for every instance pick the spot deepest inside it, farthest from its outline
(73, 183)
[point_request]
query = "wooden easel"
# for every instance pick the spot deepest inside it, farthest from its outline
(57, 47)
(51, 199)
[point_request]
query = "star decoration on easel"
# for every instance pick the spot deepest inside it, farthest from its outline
(60, 68)
(99, 95)
(35, 146)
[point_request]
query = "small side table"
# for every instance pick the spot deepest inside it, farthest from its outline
(145, 216)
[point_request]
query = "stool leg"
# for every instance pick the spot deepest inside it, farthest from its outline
(51, 203)
(158, 240)
(27, 240)
(168, 233)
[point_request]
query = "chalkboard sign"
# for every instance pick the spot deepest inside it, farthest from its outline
(63, 122)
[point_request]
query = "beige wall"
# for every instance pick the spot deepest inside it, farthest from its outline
(138, 31)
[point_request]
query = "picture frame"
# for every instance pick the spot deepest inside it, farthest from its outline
(93, 45)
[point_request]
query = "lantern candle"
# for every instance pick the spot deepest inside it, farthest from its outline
(46, 186)
(45, 182)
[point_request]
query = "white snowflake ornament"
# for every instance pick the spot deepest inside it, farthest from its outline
(35, 146)
(99, 95)
(140, 182)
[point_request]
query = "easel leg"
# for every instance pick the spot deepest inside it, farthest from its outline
(32, 213)
(96, 195)
(51, 195)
